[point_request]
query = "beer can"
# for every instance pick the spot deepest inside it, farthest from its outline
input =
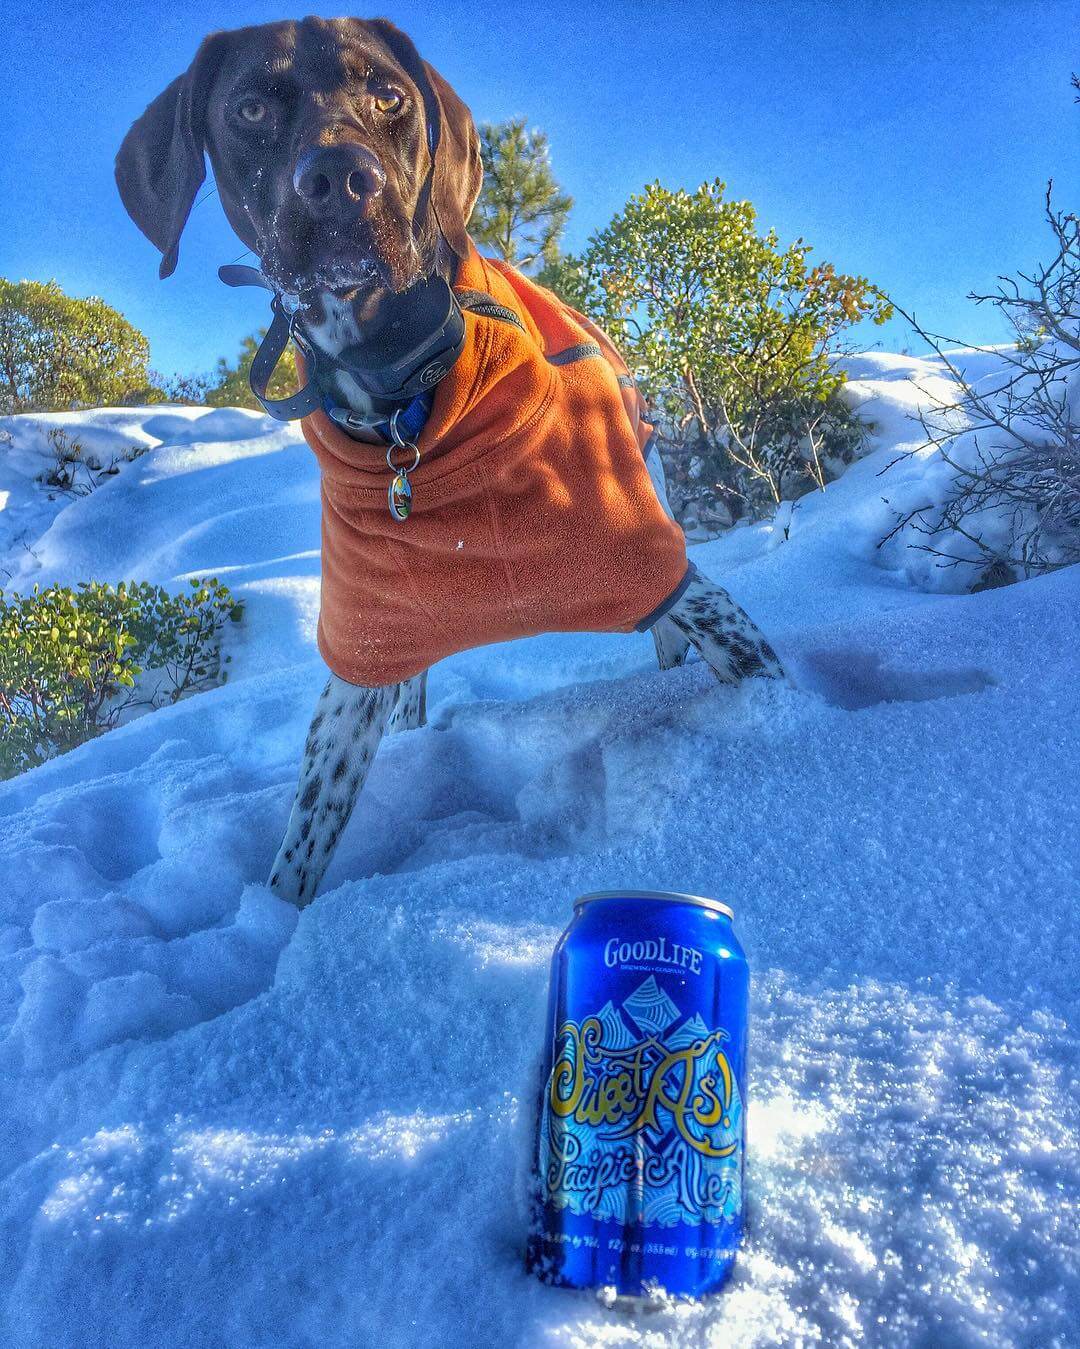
(641, 1130)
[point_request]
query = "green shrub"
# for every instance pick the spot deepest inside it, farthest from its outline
(734, 339)
(58, 351)
(70, 659)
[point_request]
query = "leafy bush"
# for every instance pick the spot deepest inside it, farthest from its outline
(59, 352)
(734, 339)
(70, 659)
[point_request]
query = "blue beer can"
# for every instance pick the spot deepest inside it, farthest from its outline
(641, 1138)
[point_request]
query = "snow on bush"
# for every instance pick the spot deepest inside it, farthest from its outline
(1007, 503)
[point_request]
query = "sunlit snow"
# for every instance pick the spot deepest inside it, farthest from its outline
(224, 1125)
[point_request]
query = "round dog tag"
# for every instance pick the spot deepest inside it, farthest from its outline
(400, 497)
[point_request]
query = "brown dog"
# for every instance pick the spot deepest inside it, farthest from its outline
(351, 168)
(320, 134)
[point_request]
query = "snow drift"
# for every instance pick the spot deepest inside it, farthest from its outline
(227, 1124)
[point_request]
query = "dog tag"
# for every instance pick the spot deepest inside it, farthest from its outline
(400, 497)
(399, 493)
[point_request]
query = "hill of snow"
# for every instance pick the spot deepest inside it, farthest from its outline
(224, 1124)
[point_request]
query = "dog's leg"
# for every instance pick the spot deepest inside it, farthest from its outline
(410, 711)
(344, 735)
(671, 645)
(728, 640)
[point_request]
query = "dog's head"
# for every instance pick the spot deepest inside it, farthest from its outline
(341, 158)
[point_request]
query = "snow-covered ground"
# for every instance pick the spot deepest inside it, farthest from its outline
(227, 1126)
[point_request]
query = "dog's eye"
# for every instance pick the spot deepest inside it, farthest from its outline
(252, 110)
(387, 100)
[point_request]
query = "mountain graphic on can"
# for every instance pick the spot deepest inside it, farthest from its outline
(641, 1125)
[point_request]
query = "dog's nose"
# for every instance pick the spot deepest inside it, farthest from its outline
(338, 181)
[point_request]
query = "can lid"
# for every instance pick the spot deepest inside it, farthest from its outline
(667, 896)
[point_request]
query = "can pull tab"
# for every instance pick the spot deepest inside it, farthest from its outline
(399, 496)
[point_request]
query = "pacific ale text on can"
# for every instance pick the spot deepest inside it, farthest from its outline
(640, 1153)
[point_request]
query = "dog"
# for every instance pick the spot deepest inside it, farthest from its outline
(350, 168)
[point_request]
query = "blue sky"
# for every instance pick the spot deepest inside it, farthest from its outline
(909, 142)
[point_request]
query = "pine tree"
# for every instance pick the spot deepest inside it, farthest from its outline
(521, 211)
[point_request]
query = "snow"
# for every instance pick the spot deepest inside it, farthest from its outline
(891, 390)
(227, 1123)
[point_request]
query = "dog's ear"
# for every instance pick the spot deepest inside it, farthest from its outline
(457, 172)
(160, 166)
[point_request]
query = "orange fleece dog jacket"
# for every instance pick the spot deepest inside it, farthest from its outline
(533, 510)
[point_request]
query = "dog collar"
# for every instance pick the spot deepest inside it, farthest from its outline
(395, 367)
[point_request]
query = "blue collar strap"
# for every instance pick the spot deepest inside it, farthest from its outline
(402, 425)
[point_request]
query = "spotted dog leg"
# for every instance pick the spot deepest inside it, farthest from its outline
(410, 711)
(344, 735)
(671, 645)
(726, 637)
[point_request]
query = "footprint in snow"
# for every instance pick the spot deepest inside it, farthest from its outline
(100, 972)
